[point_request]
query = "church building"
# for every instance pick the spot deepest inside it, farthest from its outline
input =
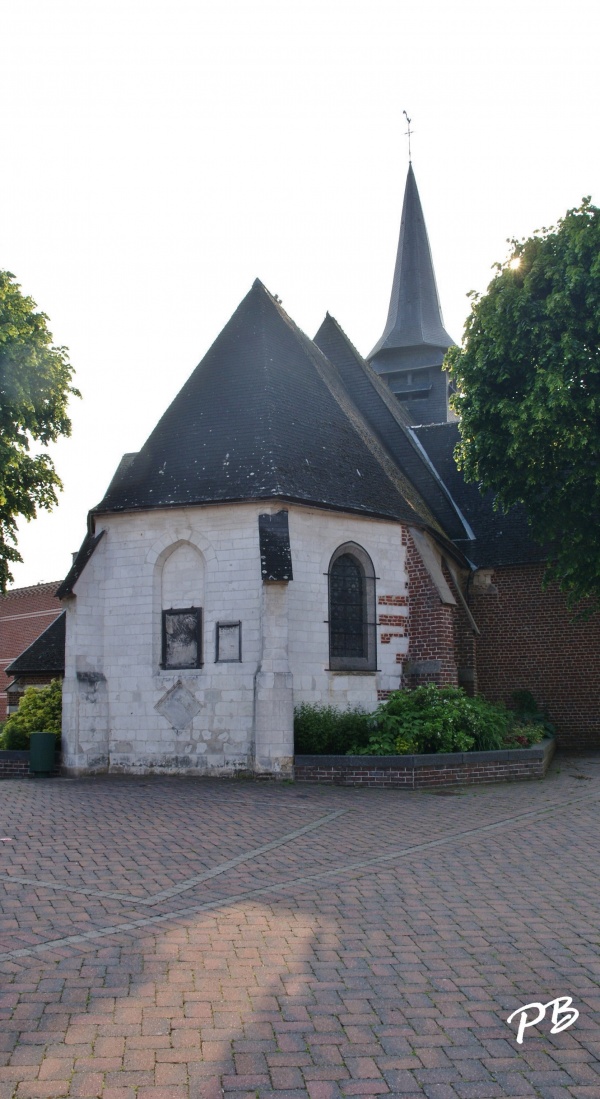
(295, 530)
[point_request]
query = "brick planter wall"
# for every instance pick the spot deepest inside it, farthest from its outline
(15, 764)
(419, 772)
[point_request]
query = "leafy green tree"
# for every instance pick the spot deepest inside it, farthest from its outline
(528, 382)
(35, 385)
(40, 711)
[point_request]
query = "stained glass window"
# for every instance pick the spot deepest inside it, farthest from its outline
(347, 615)
(351, 610)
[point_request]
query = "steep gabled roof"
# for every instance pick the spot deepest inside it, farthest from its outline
(388, 419)
(414, 317)
(500, 539)
(45, 654)
(264, 415)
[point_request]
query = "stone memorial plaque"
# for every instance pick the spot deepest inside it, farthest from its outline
(182, 638)
(229, 642)
(179, 706)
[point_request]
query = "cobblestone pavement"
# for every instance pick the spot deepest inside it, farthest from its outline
(169, 938)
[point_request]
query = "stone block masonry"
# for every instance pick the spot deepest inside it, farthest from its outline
(124, 711)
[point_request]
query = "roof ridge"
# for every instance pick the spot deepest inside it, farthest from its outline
(336, 387)
(332, 335)
(394, 474)
(30, 588)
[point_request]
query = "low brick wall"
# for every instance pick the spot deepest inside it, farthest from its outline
(418, 772)
(15, 764)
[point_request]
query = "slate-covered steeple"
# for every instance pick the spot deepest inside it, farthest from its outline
(410, 352)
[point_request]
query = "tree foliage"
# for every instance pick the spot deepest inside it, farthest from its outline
(528, 382)
(35, 385)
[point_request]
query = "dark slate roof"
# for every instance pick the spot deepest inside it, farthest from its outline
(500, 539)
(275, 549)
(85, 552)
(389, 420)
(46, 654)
(414, 317)
(264, 415)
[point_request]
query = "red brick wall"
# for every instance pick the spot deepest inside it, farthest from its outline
(431, 626)
(530, 641)
(24, 614)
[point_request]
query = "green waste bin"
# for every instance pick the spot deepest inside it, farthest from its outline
(42, 747)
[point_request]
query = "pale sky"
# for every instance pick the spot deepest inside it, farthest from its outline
(157, 157)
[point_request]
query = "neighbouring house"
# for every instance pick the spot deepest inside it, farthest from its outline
(39, 664)
(295, 530)
(24, 614)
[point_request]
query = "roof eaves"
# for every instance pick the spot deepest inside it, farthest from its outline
(283, 495)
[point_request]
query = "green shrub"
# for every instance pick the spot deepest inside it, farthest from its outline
(444, 719)
(323, 730)
(40, 711)
(528, 712)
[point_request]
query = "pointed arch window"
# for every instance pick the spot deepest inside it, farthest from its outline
(181, 580)
(352, 610)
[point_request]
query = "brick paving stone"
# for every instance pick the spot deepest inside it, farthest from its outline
(325, 1072)
(392, 978)
(364, 1087)
(513, 1083)
(86, 1084)
(480, 1090)
(323, 1089)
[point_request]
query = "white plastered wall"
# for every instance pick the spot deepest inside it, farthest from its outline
(314, 537)
(114, 681)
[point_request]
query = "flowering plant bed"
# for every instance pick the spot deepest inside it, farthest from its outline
(420, 721)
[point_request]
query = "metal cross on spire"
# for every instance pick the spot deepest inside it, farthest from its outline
(408, 132)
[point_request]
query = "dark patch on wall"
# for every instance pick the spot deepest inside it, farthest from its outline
(275, 549)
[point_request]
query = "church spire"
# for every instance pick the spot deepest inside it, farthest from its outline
(415, 317)
(414, 337)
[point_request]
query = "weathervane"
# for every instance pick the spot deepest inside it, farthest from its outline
(408, 132)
